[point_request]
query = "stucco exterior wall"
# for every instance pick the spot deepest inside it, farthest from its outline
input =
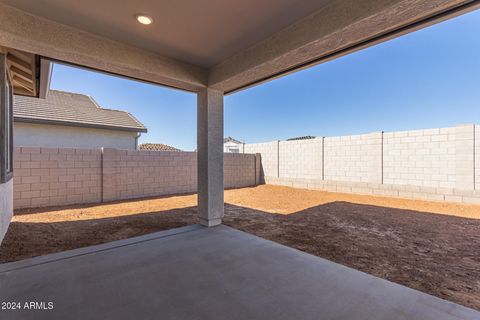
(6, 206)
(233, 147)
(56, 136)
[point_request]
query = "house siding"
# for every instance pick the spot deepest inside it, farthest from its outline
(6, 206)
(228, 146)
(57, 136)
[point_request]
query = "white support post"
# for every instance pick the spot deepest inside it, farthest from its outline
(210, 156)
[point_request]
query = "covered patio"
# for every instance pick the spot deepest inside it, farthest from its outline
(208, 273)
(211, 48)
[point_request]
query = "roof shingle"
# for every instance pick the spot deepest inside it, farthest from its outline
(302, 138)
(157, 147)
(72, 109)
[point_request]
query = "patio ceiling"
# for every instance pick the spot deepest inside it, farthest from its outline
(225, 45)
(182, 29)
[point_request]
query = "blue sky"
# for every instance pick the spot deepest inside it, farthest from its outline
(427, 79)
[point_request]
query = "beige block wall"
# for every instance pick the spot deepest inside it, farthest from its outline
(400, 191)
(269, 152)
(149, 173)
(477, 157)
(146, 173)
(465, 157)
(431, 164)
(301, 159)
(421, 157)
(239, 170)
(60, 176)
(56, 176)
(356, 158)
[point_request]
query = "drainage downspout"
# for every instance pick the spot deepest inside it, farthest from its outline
(136, 140)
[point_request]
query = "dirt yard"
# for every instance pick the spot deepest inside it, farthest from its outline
(430, 246)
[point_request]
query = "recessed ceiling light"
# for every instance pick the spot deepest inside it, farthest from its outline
(143, 19)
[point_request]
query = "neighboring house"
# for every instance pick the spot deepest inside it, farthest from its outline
(71, 120)
(231, 145)
(156, 147)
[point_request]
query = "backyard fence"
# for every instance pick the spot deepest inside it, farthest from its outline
(62, 176)
(433, 164)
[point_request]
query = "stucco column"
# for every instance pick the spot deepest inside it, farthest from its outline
(210, 156)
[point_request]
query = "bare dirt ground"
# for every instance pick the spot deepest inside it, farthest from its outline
(430, 246)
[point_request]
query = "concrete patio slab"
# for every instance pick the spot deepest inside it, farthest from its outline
(207, 273)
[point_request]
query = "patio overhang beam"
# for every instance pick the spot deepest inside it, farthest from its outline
(340, 28)
(23, 31)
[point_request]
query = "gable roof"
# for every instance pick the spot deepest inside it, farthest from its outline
(230, 139)
(72, 109)
(156, 147)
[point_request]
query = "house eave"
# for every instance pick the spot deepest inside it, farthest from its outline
(77, 124)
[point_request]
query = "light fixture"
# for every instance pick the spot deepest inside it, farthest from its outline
(143, 19)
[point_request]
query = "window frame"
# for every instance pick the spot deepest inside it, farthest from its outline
(6, 123)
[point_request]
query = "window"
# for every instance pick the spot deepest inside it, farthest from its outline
(232, 149)
(6, 123)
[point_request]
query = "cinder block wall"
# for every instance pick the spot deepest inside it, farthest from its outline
(432, 164)
(421, 158)
(355, 158)
(53, 176)
(301, 159)
(145, 173)
(269, 152)
(477, 157)
(61, 176)
(239, 170)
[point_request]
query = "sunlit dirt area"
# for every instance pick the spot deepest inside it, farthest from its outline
(430, 246)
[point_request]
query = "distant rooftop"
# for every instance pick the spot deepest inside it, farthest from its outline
(157, 147)
(230, 139)
(66, 108)
(302, 138)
